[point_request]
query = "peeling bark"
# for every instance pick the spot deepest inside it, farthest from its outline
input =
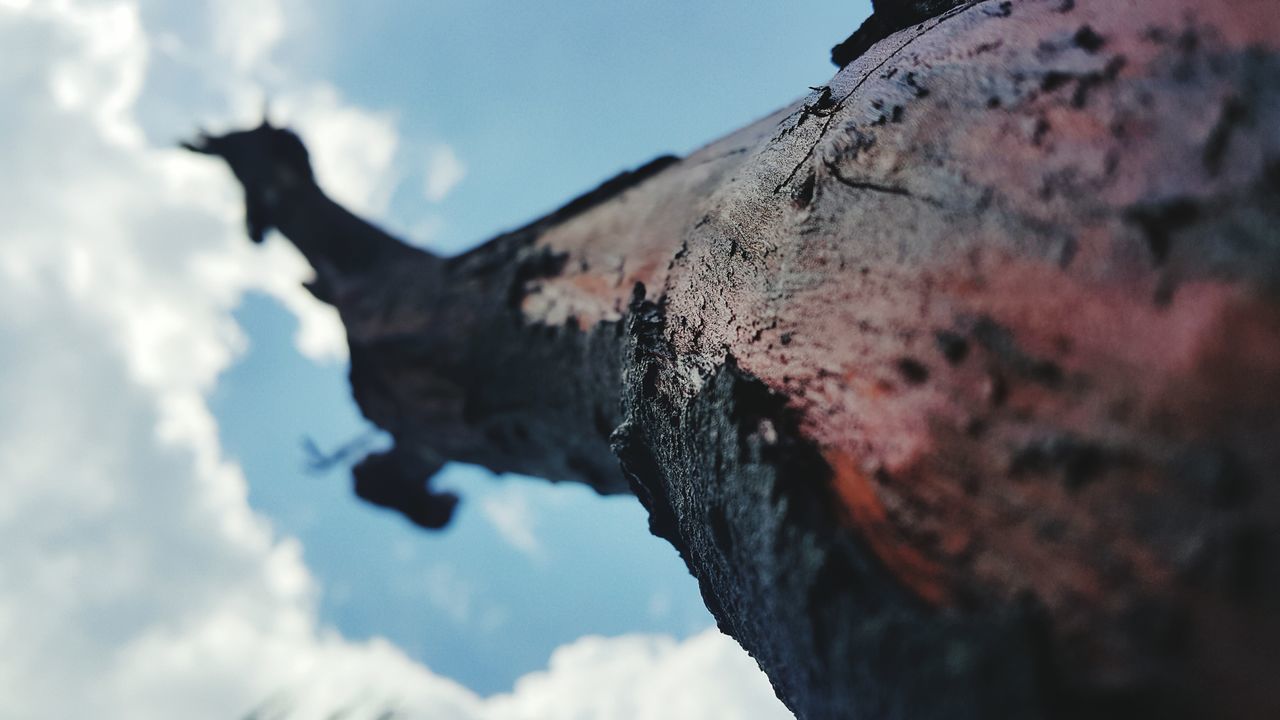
(955, 383)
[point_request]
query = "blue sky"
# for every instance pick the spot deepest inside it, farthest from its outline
(543, 100)
(168, 554)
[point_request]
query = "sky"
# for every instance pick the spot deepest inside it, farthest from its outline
(168, 553)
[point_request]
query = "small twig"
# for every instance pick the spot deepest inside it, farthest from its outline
(319, 461)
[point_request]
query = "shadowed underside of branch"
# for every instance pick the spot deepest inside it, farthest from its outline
(955, 383)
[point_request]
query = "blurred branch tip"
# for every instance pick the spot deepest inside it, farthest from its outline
(319, 462)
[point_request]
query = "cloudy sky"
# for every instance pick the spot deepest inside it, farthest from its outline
(166, 551)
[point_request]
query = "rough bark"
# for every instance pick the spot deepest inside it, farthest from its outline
(955, 383)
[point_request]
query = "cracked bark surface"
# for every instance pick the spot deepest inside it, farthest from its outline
(956, 383)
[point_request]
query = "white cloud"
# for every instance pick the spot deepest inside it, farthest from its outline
(633, 677)
(449, 592)
(137, 582)
(643, 678)
(246, 31)
(103, 75)
(444, 172)
(511, 516)
(659, 604)
(352, 149)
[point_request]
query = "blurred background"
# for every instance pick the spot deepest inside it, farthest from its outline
(167, 552)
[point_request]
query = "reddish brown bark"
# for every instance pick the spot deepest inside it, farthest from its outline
(956, 384)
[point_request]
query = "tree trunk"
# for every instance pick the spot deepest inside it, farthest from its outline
(956, 384)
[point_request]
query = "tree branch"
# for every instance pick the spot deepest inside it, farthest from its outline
(1009, 453)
